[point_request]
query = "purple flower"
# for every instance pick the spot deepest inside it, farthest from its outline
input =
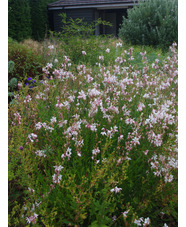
(29, 78)
(21, 148)
(33, 81)
(27, 84)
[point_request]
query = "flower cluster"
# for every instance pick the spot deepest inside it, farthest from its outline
(56, 178)
(143, 221)
(120, 114)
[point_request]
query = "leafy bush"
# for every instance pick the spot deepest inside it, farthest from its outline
(77, 36)
(26, 63)
(152, 22)
(96, 146)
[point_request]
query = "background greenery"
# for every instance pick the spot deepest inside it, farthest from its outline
(152, 22)
(28, 19)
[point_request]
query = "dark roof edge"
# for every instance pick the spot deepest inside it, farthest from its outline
(87, 5)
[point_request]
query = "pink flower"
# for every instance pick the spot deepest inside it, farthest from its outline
(53, 120)
(32, 219)
(68, 152)
(40, 153)
(146, 152)
(96, 151)
(17, 117)
(32, 137)
(81, 95)
(129, 121)
(137, 222)
(51, 47)
(146, 222)
(38, 125)
(120, 138)
(89, 78)
(116, 189)
(19, 85)
(140, 106)
(125, 213)
(56, 177)
(168, 178)
(114, 218)
(28, 99)
(83, 52)
(101, 58)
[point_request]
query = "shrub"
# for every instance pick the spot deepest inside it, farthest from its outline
(151, 22)
(25, 61)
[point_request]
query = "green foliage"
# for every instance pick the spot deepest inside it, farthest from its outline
(78, 28)
(39, 18)
(26, 63)
(152, 22)
(28, 18)
(77, 36)
(84, 196)
(94, 224)
(13, 83)
(19, 20)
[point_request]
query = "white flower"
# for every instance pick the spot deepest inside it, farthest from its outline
(40, 153)
(119, 44)
(101, 58)
(168, 178)
(19, 85)
(137, 222)
(51, 47)
(95, 151)
(114, 218)
(53, 120)
(112, 190)
(38, 125)
(83, 52)
(81, 95)
(108, 50)
(165, 225)
(68, 152)
(125, 213)
(116, 189)
(32, 136)
(58, 168)
(146, 222)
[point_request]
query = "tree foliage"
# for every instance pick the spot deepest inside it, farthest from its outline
(39, 18)
(19, 20)
(28, 18)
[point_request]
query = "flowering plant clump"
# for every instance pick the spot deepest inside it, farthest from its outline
(96, 146)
